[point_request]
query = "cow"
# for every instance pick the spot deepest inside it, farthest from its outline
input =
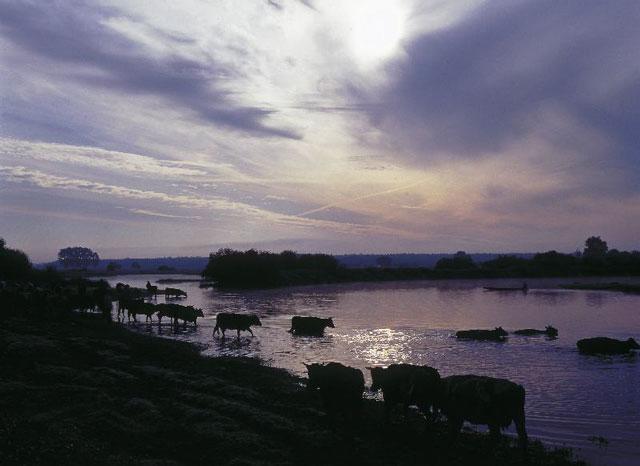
(604, 345)
(228, 320)
(151, 289)
(168, 292)
(483, 400)
(190, 314)
(136, 307)
(312, 326)
(340, 386)
(497, 334)
(168, 310)
(549, 331)
(406, 384)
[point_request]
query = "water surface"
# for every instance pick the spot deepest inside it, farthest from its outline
(571, 399)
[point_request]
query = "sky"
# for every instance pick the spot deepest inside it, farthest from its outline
(177, 127)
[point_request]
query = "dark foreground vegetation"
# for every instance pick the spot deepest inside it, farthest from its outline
(78, 388)
(260, 269)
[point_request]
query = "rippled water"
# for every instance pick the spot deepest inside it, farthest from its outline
(571, 398)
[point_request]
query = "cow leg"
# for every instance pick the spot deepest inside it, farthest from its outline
(522, 433)
(494, 431)
(455, 424)
(250, 332)
(238, 334)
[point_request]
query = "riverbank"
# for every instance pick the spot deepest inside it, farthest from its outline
(86, 391)
(612, 286)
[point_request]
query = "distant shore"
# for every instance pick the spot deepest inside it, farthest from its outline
(86, 391)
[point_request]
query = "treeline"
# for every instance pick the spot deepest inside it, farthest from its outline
(260, 269)
(16, 266)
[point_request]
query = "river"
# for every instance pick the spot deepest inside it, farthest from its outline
(588, 403)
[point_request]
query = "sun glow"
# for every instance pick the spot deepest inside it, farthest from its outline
(376, 30)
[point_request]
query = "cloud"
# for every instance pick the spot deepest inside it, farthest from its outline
(76, 36)
(490, 79)
(247, 212)
(151, 213)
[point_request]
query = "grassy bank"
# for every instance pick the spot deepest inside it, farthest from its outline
(86, 391)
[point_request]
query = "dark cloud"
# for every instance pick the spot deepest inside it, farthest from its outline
(74, 35)
(488, 80)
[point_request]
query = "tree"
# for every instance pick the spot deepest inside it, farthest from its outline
(14, 264)
(460, 261)
(113, 266)
(383, 261)
(595, 248)
(78, 257)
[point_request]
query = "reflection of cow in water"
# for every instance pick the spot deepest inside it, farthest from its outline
(153, 290)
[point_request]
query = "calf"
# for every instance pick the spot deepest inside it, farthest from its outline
(497, 334)
(604, 345)
(227, 320)
(340, 386)
(483, 400)
(313, 326)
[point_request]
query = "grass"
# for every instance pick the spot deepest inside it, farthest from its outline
(85, 391)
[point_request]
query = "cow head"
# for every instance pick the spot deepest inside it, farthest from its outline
(551, 331)
(329, 322)
(199, 313)
(633, 344)
(254, 320)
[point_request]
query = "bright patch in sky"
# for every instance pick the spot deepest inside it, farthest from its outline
(377, 28)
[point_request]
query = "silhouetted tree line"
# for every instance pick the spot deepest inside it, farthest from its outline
(259, 269)
(255, 269)
(16, 266)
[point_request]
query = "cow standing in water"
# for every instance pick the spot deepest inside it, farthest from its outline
(153, 290)
(483, 400)
(406, 384)
(340, 386)
(312, 326)
(604, 345)
(229, 321)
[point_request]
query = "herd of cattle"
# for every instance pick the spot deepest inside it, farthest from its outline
(478, 399)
